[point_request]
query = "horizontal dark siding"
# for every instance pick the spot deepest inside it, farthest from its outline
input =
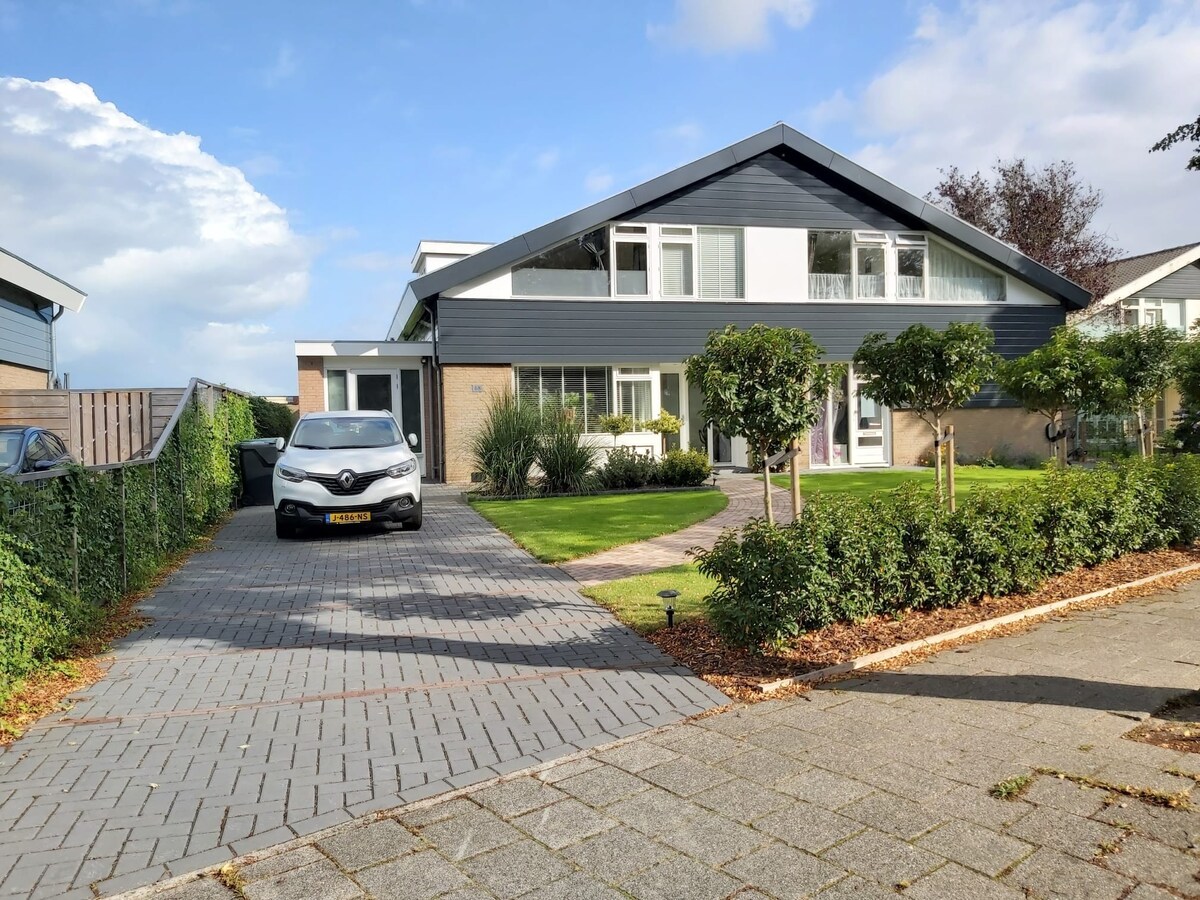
(1181, 285)
(768, 190)
(24, 333)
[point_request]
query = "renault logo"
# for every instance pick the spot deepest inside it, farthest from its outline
(346, 479)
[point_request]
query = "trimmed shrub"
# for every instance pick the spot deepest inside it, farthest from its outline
(271, 420)
(626, 469)
(506, 445)
(684, 468)
(847, 558)
(566, 461)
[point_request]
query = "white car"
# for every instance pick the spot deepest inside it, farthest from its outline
(341, 468)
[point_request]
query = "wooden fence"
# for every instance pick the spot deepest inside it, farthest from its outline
(99, 427)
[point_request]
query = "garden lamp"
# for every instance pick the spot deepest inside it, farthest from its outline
(668, 607)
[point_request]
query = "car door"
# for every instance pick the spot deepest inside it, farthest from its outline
(37, 453)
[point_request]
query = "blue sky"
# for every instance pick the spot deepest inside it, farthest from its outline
(330, 143)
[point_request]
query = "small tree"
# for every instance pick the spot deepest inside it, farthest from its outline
(1187, 133)
(927, 372)
(765, 384)
(616, 424)
(1143, 364)
(663, 425)
(1067, 372)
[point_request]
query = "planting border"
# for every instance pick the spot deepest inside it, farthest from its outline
(954, 634)
(469, 496)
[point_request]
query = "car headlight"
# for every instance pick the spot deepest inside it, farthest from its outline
(401, 469)
(289, 474)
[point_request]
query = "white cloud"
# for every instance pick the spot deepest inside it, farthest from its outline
(684, 132)
(597, 181)
(547, 159)
(284, 67)
(729, 26)
(163, 237)
(1090, 84)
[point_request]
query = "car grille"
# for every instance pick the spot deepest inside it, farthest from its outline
(362, 481)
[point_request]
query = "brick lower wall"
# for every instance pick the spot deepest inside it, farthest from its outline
(22, 378)
(310, 375)
(466, 391)
(977, 432)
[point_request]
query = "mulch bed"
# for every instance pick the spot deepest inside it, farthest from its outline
(1175, 726)
(737, 672)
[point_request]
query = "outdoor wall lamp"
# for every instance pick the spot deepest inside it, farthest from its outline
(668, 607)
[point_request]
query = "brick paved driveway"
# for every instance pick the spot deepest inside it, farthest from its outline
(873, 788)
(285, 687)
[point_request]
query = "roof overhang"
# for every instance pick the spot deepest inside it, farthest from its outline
(39, 282)
(620, 205)
(1186, 258)
(366, 349)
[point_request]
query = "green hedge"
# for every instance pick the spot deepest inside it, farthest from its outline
(77, 542)
(846, 559)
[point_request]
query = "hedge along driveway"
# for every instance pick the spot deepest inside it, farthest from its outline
(557, 529)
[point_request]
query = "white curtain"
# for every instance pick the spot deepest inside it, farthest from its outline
(830, 287)
(955, 278)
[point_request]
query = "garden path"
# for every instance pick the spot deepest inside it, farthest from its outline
(745, 503)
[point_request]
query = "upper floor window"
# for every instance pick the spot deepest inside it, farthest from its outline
(870, 265)
(910, 266)
(722, 263)
(633, 260)
(677, 261)
(830, 264)
(578, 268)
(954, 278)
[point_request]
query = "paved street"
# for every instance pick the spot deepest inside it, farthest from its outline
(286, 687)
(871, 788)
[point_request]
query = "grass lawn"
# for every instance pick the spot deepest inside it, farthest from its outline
(635, 600)
(557, 529)
(867, 481)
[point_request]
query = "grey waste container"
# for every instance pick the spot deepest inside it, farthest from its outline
(257, 459)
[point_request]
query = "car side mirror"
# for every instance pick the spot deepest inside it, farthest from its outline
(280, 443)
(412, 439)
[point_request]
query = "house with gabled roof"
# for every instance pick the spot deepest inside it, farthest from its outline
(597, 311)
(31, 300)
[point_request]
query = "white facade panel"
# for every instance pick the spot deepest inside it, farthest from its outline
(776, 264)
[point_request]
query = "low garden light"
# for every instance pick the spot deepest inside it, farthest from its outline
(668, 606)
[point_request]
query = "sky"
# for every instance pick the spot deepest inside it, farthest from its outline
(226, 177)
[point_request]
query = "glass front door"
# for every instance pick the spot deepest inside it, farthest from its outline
(374, 390)
(868, 431)
(850, 429)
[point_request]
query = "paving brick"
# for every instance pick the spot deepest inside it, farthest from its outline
(827, 789)
(786, 873)
(1057, 876)
(1064, 831)
(882, 858)
(564, 823)
(680, 878)
(714, 840)
(636, 756)
(516, 869)
(952, 880)
(512, 798)
(367, 845)
(808, 827)
(617, 853)
(894, 815)
(321, 879)
(654, 812)
(475, 831)
(1143, 860)
(417, 877)
(602, 785)
(976, 848)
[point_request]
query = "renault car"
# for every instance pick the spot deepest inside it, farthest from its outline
(346, 468)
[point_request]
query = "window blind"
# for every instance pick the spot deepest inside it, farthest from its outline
(677, 270)
(581, 390)
(721, 263)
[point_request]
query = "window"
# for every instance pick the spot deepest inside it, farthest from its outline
(1129, 316)
(829, 254)
(582, 392)
(870, 273)
(1151, 316)
(335, 384)
(954, 278)
(578, 268)
(910, 266)
(632, 261)
(634, 394)
(678, 262)
(722, 263)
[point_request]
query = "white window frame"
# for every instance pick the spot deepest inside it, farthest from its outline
(615, 236)
(911, 240)
(696, 262)
(679, 234)
(650, 377)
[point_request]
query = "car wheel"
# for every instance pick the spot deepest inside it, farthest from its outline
(283, 530)
(414, 523)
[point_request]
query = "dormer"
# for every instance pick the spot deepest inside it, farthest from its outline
(434, 255)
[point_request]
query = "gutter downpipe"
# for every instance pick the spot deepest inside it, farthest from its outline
(439, 401)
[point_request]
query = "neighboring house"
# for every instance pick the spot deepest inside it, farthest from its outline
(1156, 288)
(31, 300)
(598, 310)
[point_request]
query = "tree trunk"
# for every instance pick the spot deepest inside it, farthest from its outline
(951, 449)
(768, 509)
(937, 457)
(795, 468)
(1141, 420)
(1060, 446)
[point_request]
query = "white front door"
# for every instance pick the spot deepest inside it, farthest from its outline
(396, 390)
(869, 447)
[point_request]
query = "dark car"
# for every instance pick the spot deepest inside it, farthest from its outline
(27, 448)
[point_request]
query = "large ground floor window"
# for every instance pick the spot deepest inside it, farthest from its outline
(581, 391)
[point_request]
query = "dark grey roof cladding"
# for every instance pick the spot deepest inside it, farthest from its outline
(937, 220)
(1126, 271)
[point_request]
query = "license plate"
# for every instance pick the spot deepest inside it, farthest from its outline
(347, 518)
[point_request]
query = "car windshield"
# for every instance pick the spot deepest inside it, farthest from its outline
(10, 448)
(345, 433)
